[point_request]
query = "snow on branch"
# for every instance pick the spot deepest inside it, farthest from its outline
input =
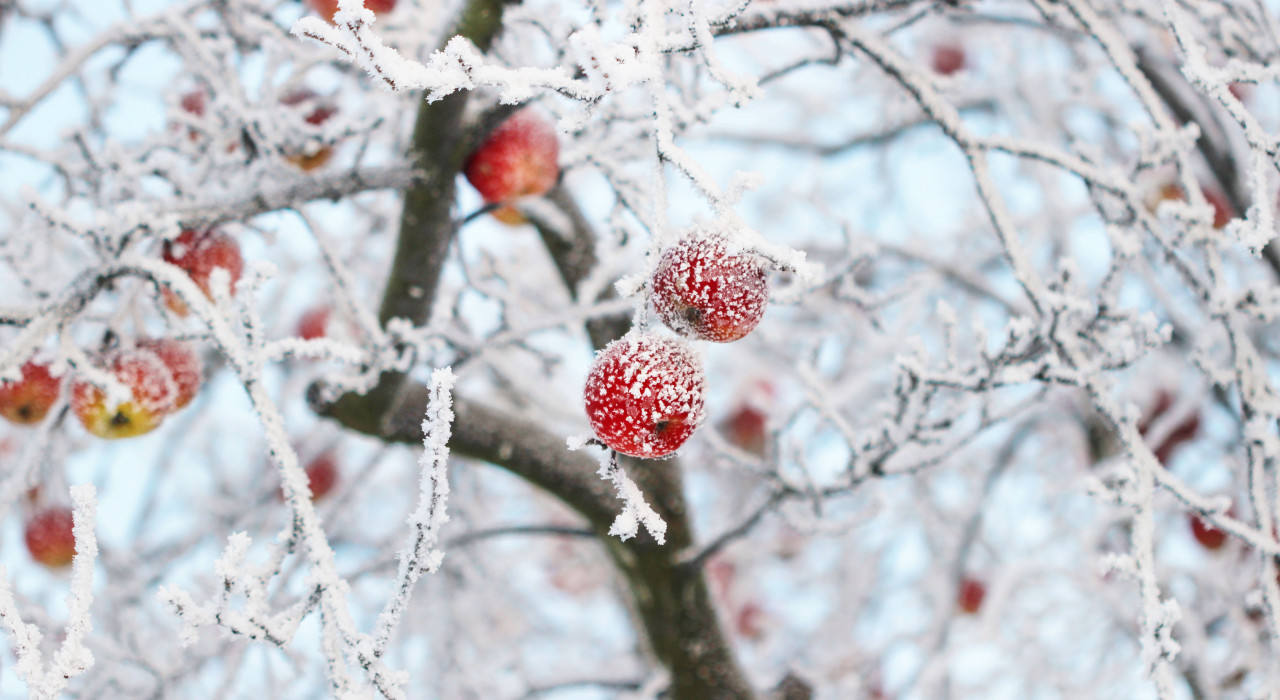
(635, 510)
(430, 515)
(72, 657)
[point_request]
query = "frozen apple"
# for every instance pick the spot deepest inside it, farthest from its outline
(314, 154)
(314, 323)
(322, 476)
(199, 253)
(520, 158)
(183, 363)
(972, 593)
(50, 538)
(27, 400)
(1207, 535)
(703, 291)
(153, 394)
(948, 59)
(644, 394)
(327, 8)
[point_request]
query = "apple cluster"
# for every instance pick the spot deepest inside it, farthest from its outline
(644, 392)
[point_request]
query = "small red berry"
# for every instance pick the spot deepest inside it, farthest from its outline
(27, 400)
(702, 291)
(644, 394)
(183, 363)
(948, 59)
(50, 538)
(1207, 535)
(313, 323)
(199, 253)
(520, 158)
(972, 593)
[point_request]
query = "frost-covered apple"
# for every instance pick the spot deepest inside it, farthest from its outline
(1207, 535)
(314, 323)
(49, 536)
(1223, 212)
(1183, 432)
(948, 58)
(322, 476)
(314, 155)
(520, 158)
(327, 8)
(27, 400)
(199, 253)
(702, 291)
(183, 363)
(644, 394)
(744, 428)
(972, 593)
(153, 394)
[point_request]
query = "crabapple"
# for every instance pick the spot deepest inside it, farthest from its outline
(643, 394)
(1181, 433)
(519, 158)
(702, 291)
(1223, 211)
(27, 400)
(183, 363)
(50, 538)
(1207, 535)
(314, 323)
(971, 594)
(153, 394)
(193, 102)
(322, 476)
(948, 59)
(313, 155)
(745, 429)
(199, 253)
(327, 8)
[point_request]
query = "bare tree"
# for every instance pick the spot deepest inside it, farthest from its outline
(1008, 427)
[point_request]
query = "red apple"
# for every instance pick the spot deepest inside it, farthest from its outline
(972, 592)
(745, 429)
(520, 158)
(1181, 433)
(193, 102)
(313, 323)
(199, 253)
(49, 536)
(948, 58)
(644, 393)
(153, 395)
(322, 476)
(1207, 535)
(700, 290)
(1223, 212)
(327, 8)
(27, 400)
(183, 363)
(319, 112)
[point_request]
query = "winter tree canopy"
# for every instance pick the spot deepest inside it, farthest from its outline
(700, 350)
